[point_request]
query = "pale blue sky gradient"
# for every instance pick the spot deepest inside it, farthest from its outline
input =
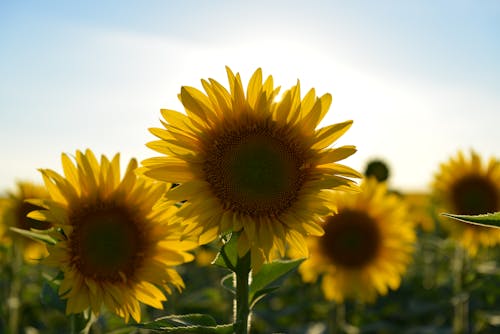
(420, 79)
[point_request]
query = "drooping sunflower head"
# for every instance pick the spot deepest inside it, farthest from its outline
(115, 243)
(378, 169)
(246, 162)
(13, 213)
(366, 248)
(467, 186)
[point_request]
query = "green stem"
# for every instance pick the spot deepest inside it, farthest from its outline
(81, 323)
(14, 301)
(72, 324)
(242, 309)
(336, 318)
(461, 309)
(88, 325)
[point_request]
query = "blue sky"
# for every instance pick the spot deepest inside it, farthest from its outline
(420, 79)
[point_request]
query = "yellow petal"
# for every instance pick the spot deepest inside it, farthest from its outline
(327, 135)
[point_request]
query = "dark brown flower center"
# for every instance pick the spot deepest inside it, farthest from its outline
(475, 194)
(352, 239)
(106, 243)
(256, 171)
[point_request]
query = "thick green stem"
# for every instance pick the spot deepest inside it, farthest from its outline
(242, 308)
(72, 324)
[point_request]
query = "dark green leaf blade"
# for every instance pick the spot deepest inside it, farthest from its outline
(269, 273)
(228, 253)
(488, 220)
(187, 323)
(220, 329)
(261, 294)
(183, 320)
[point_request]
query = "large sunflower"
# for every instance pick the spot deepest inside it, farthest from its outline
(112, 246)
(366, 248)
(467, 186)
(13, 211)
(250, 164)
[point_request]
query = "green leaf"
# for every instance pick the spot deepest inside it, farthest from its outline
(227, 283)
(37, 235)
(221, 329)
(182, 320)
(261, 294)
(488, 220)
(187, 323)
(228, 254)
(50, 298)
(269, 273)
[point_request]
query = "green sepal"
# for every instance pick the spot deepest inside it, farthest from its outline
(228, 254)
(37, 235)
(187, 323)
(488, 220)
(269, 273)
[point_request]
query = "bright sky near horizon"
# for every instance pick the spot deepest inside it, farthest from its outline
(420, 79)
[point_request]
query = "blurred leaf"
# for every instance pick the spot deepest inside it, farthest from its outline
(182, 320)
(187, 323)
(228, 253)
(50, 298)
(489, 219)
(269, 273)
(37, 236)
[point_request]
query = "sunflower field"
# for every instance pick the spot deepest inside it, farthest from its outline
(247, 219)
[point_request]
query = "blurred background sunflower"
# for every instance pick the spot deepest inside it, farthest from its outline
(466, 185)
(13, 213)
(367, 246)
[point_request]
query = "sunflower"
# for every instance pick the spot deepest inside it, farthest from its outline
(13, 211)
(367, 246)
(114, 245)
(249, 164)
(467, 186)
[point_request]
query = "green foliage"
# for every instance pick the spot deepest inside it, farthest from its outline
(50, 298)
(489, 219)
(227, 282)
(37, 235)
(268, 274)
(424, 303)
(187, 323)
(228, 254)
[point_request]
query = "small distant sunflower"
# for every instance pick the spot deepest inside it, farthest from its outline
(13, 211)
(469, 187)
(250, 164)
(378, 169)
(112, 246)
(366, 247)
